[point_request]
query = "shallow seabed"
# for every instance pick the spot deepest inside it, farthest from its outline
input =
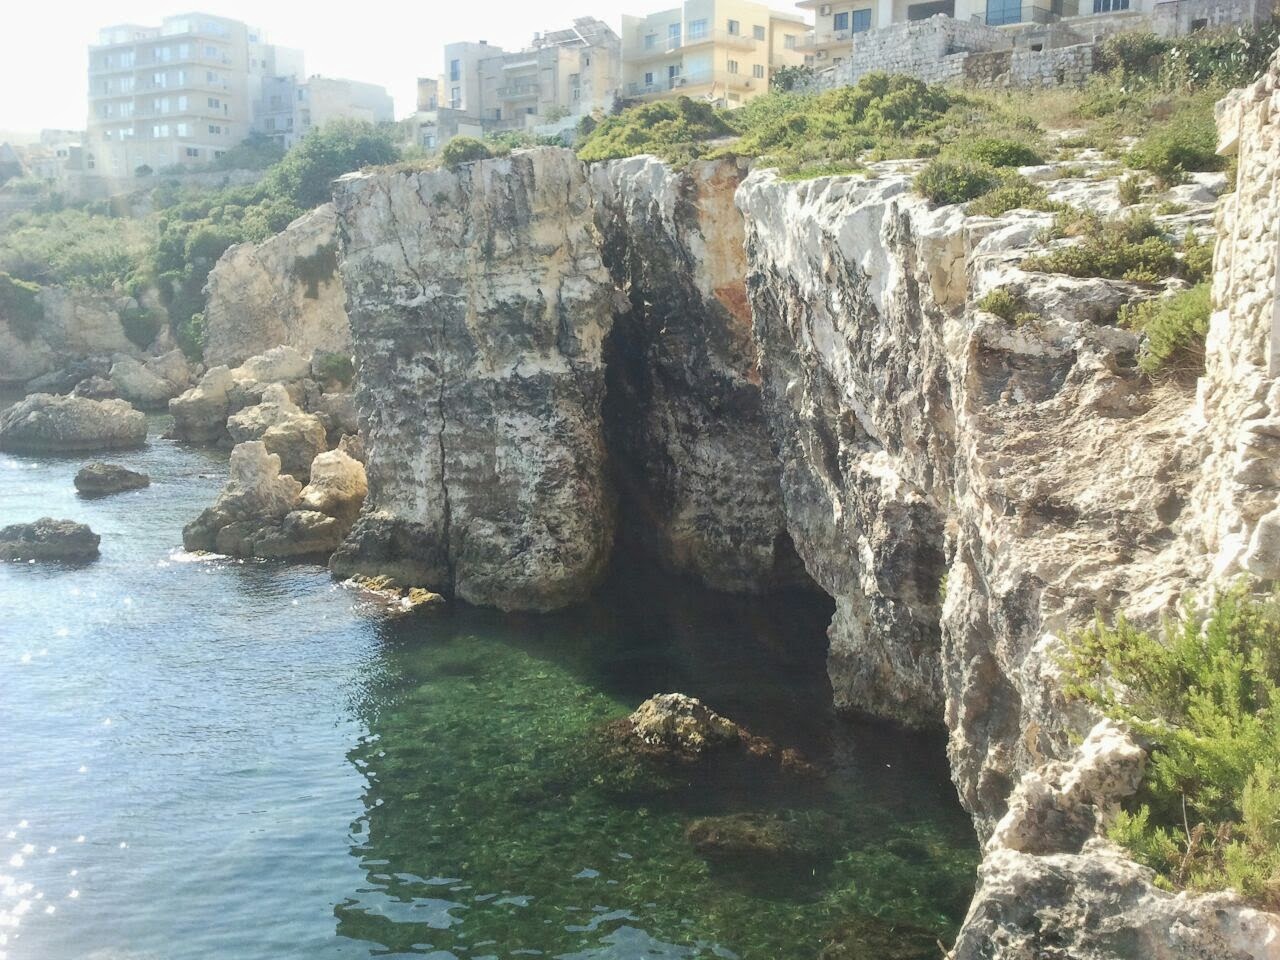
(212, 759)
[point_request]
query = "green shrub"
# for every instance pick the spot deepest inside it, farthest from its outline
(1007, 305)
(1185, 143)
(955, 181)
(140, 325)
(1205, 693)
(668, 128)
(994, 152)
(20, 306)
(1125, 248)
(72, 248)
(1013, 193)
(1175, 328)
(306, 173)
(334, 366)
(1130, 189)
(461, 150)
(191, 334)
(1197, 258)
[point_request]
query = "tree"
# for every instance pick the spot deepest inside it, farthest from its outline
(307, 171)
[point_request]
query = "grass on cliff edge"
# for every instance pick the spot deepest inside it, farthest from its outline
(880, 117)
(1204, 694)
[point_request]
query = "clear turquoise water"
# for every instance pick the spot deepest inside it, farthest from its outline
(209, 759)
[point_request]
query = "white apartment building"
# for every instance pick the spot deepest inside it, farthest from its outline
(562, 73)
(723, 51)
(179, 93)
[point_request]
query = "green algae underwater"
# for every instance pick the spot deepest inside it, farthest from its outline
(495, 829)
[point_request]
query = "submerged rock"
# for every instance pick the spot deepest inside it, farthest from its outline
(399, 599)
(755, 840)
(681, 726)
(48, 539)
(100, 479)
(866, 937)
(43, 423)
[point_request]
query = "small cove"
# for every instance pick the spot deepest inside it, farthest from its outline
(211, 758)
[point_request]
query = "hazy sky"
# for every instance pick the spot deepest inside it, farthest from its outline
(43, 42)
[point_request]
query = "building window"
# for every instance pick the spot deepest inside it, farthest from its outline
(183, 130)
(735, 28)
(862, 20)
(215, 103)
(697, 29)
(215, 129)
(650, 41)
(211, 52)
(455, 98)
(210, 76)
(789, 41)
(182, 104)
(126, 84)
(841, 22)
(673, 36)
(648, 79)
(455, 70)
(757, 71)
(733, 66)
(1109, 6)
(1007, 11)
(158, 80)
(759, 33)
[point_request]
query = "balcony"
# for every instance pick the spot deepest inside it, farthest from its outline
(689, 84)
(518, 91)
(1002, 13)
(660, 50)
(722, 38)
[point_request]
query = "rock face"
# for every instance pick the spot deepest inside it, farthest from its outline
(76, 324)
(48, 539)
(296, 437)
(283, 291)
(101, 479)
(43, 423)
(150, 385)
(694, 460)
(479, 306)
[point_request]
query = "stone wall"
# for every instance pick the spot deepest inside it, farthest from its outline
(1239, 408)
(933, 50)
(1175, 18)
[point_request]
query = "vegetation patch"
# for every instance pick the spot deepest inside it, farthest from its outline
(994, 152)
(956, 181)
(140, 325)
(1124, 248)
(1013, 193)
(334, 367)
(1009, 305)
(672, 129)
(462, 150)
(20, 306)
(1187, 142)
(1174, 327)
(1204, 692)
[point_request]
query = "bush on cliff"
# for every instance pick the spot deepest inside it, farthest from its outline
(1185, 143)
(461, 150)
(1174, 328)
(672, 129)
(955, 181)
(1204, 693)
(73, 248)
(1132, 248)
(20, 306)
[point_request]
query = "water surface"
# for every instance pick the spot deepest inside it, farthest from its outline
(209, 759)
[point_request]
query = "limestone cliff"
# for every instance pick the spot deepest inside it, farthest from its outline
(75, 324)
(479, 307)
(284, 291)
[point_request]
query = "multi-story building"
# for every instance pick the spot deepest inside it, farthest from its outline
(288, 107)
(179, 93)
(562, 73)
(723, 51)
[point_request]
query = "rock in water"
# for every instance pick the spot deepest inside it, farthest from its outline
(48, 539)
(255, 498)
(337, 488)
(100, 479)
(682, 725)
(43, 423)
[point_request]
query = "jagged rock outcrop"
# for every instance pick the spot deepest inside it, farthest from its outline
(479, 307)
(102, 479)
(284, 291)
(43, 423)
(296, 437)
(153, 383)
(693, 458)
(263, 512)
(48, 539)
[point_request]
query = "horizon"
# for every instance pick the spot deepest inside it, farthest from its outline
(403, 45)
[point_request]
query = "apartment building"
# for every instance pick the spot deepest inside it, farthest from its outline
(179, 93)
(723, 51)
(288, 107)
(562, 73)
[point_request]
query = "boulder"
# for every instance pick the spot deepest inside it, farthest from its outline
(64, 379)
(302, 533)
(95, 388)
(337, 488)
(43, 423)
(755, 840)
(48, 539)
(278, 422)
(678, 724)
(339, 414)
(100, 479)
(153, 384)
(200, 414)
(255, 499)
(277, 365)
